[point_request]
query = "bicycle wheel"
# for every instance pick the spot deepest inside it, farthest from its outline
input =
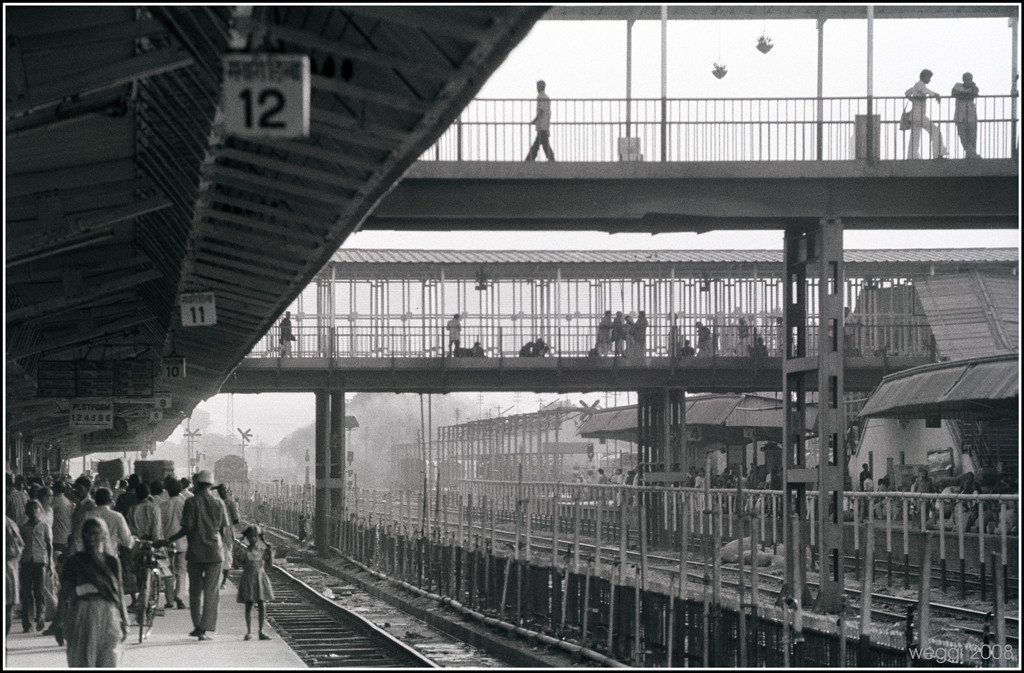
(143, 606)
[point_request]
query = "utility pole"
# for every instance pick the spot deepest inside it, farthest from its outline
(190, 437)
(246, 438)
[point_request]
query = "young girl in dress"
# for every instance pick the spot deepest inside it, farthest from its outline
(254, 586)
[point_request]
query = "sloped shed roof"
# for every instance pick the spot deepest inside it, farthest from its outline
(981, 388)
(708, 411)
(971, 314)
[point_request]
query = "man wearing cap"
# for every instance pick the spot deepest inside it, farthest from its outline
(204, 521)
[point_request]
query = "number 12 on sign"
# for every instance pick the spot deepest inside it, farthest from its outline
(198, 309)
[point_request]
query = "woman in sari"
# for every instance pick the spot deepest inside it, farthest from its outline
(91, 614)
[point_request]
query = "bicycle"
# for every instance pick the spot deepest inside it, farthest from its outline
(147, 568)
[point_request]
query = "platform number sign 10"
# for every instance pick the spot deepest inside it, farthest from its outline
(266, 95)
(198, 309)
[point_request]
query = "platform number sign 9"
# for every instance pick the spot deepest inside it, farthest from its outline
(198, 309)
(266, 95)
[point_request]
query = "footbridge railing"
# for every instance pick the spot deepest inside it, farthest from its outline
(881, 338)
(717, 129)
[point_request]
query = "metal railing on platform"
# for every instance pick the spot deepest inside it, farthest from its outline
(513, 550)
(722, 129)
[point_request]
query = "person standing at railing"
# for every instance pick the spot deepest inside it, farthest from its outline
(619, 333)
(919, 95)
(604, 334)
(454, 334)
(543, 123)
(286, 334)
(703, 340)
(966, 115)
(639, 347)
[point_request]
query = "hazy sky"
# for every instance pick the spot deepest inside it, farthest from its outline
(587, 60)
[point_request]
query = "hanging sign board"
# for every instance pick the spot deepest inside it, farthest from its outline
(266, 95)
(95, 378)
(91, 414)
(101, 442)
(174, 368)
(198, 309)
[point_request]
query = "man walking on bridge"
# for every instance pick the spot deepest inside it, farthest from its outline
(543, 123)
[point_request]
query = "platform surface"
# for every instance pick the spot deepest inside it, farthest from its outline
(168, 644)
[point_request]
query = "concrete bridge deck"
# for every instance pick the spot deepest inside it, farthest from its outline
(654, 197)
(542, 375)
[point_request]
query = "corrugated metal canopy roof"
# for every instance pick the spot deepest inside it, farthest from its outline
(971, 314)
(347, 256)
(360, 264)
(981, 388)
(707, 411)
(122, 193)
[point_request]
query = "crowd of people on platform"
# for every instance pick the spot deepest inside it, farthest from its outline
(72, 550)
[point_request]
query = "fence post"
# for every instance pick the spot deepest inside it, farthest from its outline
(999, 612)
(865, 657)
(940, 518)
(924, 592)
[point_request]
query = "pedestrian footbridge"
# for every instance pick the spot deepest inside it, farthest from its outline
(375, 320)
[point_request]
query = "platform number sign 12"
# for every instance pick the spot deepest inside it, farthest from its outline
(198, 309)
(266, 95)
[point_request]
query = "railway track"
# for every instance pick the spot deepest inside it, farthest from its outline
(324, 634)
(441, 649)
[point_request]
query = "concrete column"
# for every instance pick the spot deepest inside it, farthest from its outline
(320, 504)
(831, 414)
(796, 368)
(818, 249)
(336, 472)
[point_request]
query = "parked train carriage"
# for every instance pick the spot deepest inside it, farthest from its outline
(232, 469)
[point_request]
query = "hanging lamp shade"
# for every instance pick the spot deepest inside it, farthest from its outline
(764, 44)
(720, 70)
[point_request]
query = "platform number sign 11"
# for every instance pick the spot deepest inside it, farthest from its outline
(266, 95)
(198, 309)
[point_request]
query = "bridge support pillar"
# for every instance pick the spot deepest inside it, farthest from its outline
(817, 251)
(662, 457)
(320, 505)
(336, 488)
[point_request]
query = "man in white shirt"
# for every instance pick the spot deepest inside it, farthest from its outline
(82, 488)
(120, 534)
(144, 516)
(170, 512)
(62, 511)
(919, 95)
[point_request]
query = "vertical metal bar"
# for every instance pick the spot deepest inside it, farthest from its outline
(664, 83)
(821, 108)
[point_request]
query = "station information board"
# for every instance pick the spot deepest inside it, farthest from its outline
(95, 378)
(91, 414)
(101, 442)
